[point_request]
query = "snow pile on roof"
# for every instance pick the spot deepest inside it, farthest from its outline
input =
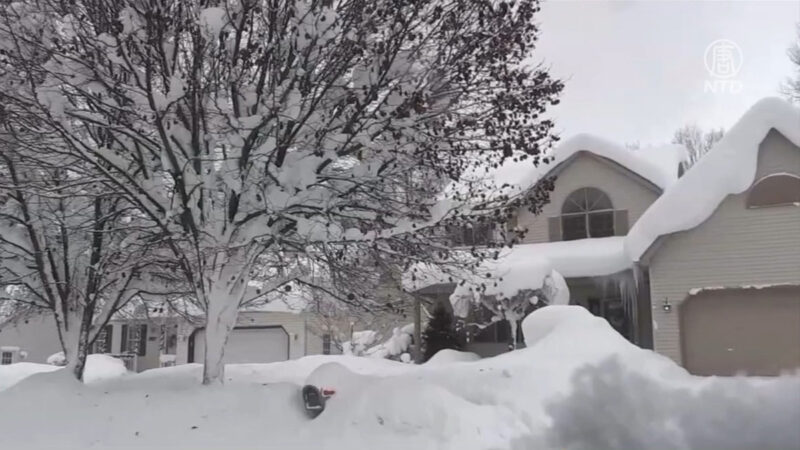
(526, 266)
(659, 165)
(292, 302)
(546, 396)
(728, 168)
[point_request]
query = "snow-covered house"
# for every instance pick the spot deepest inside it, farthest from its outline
(704, 267)
(601, 189)
(157, 339)
(722, 249)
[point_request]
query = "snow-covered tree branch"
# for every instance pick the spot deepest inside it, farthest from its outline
(67, 247)
(255, 131)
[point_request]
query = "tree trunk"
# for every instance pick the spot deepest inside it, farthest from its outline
(219, 323)
(417, 331)
(74, 335)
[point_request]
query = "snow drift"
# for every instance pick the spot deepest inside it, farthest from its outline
(578, 385)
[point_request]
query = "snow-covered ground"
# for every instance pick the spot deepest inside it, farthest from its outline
(578, 385)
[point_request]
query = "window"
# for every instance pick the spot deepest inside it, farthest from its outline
(470, 235)
(102, 343)
(326, 344)
(587, 212)
(6, 359)
(775, 190)
(134, 339)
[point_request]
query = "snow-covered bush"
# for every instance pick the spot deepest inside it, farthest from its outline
(361, 341)
(397, 344)
(57, 359)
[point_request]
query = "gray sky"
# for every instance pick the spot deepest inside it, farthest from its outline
(635, 71)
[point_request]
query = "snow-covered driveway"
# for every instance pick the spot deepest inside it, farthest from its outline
(578, 385)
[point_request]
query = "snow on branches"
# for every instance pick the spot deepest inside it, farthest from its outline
(252, 131)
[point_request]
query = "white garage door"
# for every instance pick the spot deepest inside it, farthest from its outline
(249, 345)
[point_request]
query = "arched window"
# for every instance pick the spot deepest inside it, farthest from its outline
(587, 212)
(775, 190)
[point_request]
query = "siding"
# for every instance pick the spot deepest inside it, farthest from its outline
(36, 335)
(736, 246)
(589, 171)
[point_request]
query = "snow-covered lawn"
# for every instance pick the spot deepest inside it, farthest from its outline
(578, 385)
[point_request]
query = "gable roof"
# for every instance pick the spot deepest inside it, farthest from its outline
(728, 168)
(656, 165)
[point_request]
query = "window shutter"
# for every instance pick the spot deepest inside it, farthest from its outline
(142, 350)
(123, 343)
(109, 334)
(621, 222)
(554, 228)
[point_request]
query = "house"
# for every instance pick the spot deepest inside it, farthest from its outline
(703, 267)
(722, 249)
(154, 339)
(601, 189)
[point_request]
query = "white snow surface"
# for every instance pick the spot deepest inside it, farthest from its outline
(658, 164)
(543, 266)
(579, 258)
(98, 368)
(728, 168)
(578, 385)
(449, 356)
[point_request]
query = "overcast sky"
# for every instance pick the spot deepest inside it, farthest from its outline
(636, 71)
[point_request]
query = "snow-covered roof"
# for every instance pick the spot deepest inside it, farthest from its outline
(658, 165)
(728, 168)
(580, 258)
(291, 302)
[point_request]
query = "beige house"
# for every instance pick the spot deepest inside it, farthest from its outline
(600, 190)
(703, 267)
(726, 291)
(162, 340)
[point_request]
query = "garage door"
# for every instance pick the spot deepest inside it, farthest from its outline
(249, 345)
(756, 331)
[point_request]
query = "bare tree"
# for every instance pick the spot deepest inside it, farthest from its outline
(67, 247)
(697, 141)
(791, 89)
(256, 132)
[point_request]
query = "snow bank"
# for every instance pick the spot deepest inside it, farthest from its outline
(103, 367)
(449, 356)
(12, 374)
(578, 385)
(728, 168)
(57, 359)
(98, 368)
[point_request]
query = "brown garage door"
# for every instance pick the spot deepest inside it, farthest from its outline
(756, 331)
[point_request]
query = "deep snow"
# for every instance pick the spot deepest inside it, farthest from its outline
(577, 385)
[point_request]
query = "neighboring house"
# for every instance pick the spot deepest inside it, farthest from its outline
(161, 340)
(33, 339)
(704, 268)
